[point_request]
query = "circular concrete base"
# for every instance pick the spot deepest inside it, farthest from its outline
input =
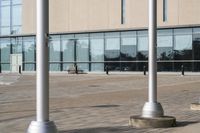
(195, 106)
(42, 127)
(157, 122)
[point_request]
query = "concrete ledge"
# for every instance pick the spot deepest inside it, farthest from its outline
(157, 122)
(195, 106)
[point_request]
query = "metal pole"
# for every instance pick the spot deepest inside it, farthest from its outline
(152, 51)
(42, 61)
(152, 108)
(42, 123)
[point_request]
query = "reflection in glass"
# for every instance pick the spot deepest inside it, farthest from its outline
(142, 50)
(5, 14)
(5, 50)
(183, 47)
(112, 50)
(6, 2)
(16, 45)
(68, 48)
(196, 49)
(82, 52)
(128, 50)
(5, 54)
(16, 19)
(29, 67)
(164, 49)
(97, 53)
(29, 53)
(54, 53)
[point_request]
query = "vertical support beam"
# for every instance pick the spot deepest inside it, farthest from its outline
(152, 108)
(42, 123)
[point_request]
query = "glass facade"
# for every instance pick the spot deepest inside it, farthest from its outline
(10, 17)
(120, 51)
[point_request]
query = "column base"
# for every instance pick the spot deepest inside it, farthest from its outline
(152, 109)
(156, 122)
(42, 127)
(195, 106)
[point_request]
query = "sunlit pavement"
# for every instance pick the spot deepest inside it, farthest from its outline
(97, 103)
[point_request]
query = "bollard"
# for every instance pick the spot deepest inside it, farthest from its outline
(20, 69)
(76, 69)
(144, 69)
(107, 70)
(182, 70)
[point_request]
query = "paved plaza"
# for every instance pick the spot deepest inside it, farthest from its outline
(98, 103)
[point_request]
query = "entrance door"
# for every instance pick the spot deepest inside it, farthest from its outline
(16, 61)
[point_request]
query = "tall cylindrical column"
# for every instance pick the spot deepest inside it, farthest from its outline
(42, 123)
(42, 60)
(152, 108)
(152, 51)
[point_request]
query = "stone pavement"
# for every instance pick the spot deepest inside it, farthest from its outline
(97, 103)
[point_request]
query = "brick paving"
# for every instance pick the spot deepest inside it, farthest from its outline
(96, 103)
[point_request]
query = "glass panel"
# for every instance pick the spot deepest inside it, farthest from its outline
(54, 67)
(83, 66)
(142, 45)
(183, 44)
(112, 50)
(5, 2)
(97, 49)
(82, 49)
(141, 65)
(5, 30)
(165, 66)
(16, 15)
(54, 49)
(196, 67)
(196, 48)
(29, 67)
(187, 66)
(5, 67)
(5, 14)
(16, 29)
(165, 45)
(112, 47)
(128, 66)
(68, 45)
(5, 50)
(16, 45)
(29, 49)
(113, 66)
(128, 48)
(97, 54)
(67, 66)
(98, 67)
(16, 2)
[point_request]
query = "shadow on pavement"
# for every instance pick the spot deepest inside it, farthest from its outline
(125, 129)
(185, 123)
(101, 130)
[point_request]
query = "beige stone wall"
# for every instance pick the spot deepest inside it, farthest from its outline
(94, 15)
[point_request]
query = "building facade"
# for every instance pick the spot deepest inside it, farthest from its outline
(98, 33)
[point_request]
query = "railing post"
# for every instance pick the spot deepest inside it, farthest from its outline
(182, 70)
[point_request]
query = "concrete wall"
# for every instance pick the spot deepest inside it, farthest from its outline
(92, 15)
